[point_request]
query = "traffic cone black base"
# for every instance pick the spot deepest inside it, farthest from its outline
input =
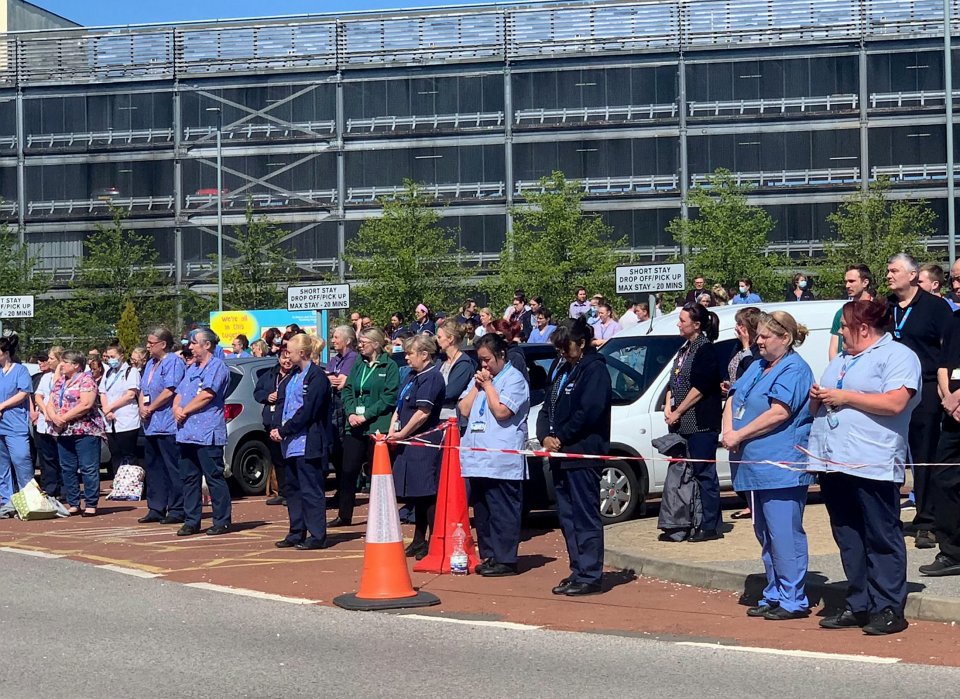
(355, 604)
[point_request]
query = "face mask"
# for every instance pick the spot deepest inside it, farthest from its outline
(592, 313)
(278, 341)
(743, 289)
(802, 283)
(113, 363)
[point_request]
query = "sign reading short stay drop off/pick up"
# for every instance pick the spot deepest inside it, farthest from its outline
(634, 279)
(318, 298)
(16, 306)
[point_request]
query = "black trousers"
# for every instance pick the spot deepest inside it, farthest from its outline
(357, 451)
(923, 438)
(945, 492)
(123, 448)
(865, 519)
(578, 509)
(51, 480)
(497, 508)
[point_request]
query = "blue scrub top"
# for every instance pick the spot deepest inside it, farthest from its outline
(292, 402)
(788, 382)
(208, 427)
(157, 378)
(12, 382)
(511, 433)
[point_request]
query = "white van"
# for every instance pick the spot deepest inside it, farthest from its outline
(639, 360)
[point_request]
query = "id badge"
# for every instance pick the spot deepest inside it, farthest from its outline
(396, 426)
(955, 375)
(361, 410)
(738, 413)
(273, 408)
(478, 426)
(146, 399)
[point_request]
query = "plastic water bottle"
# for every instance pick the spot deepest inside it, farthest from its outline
(459, 562)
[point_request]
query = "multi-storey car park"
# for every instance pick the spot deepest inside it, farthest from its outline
(808, 100)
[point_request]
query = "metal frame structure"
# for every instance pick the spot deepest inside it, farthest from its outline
(299, 147)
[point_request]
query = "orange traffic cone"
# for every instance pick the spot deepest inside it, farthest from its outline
(385, 581)
(451, 509)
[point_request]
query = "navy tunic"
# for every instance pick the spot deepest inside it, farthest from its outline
(416, 470)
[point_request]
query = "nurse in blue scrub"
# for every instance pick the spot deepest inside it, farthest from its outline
(15, 390)
(765, 418)
(496, 407)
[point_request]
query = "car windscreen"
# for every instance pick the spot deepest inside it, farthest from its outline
(634, 362)
(236, 376)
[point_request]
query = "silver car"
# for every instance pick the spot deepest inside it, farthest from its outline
(247, 454)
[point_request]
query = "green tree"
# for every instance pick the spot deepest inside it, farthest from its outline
(405, 257)
(727, 239)
(128, 327)
(19, 277)
(870, 228)
(554, 247)
(257, 276)
(119, 265)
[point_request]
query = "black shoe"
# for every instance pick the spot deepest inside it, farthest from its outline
(778, 613)
(942, 565)
(277, 501)
(705, 535)
(562, 587)
(579, 589)
(845, 620)
(188, 530)
(497, 570)
(150, 519)
(925, 540)
(218, 529)
(886, 622)
(311, 545)
(171, 520)
(910, 529)
(286, 544)
(416, 547)
(340, 522)
(762, 609)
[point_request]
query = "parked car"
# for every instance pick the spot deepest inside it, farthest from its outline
(639, 360)
(246, 456)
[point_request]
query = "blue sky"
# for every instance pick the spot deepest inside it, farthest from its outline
(108, 12)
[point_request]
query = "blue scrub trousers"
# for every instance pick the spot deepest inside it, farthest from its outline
(16, 464)
(578, 507)
(196, 462)
(865, 518)
(80, 457)
(163, 484)
(306, 499)
(778, 524)
(497, 508)
(703, 445)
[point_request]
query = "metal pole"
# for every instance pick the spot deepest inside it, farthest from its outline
(948, 101)
(219, 211)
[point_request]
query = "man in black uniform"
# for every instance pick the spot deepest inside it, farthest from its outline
(919, 321)
(945, 480)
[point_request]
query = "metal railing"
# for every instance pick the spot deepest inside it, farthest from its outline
(264, 199)
(249, 130)
(436, 36)
(912, 173)
(433, 121)
(88, 206)
(563, 115)
(788, 178)
(463, 190)
(781, 105)
(100, 138)
(599, 186)
(920, 98)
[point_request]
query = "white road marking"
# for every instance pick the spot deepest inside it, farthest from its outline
(27, 552)
(473, 622)
(256, 594)
(129, 571)
(873, 659)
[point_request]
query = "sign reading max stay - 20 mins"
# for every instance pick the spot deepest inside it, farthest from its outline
(635, 279)
(318, 298)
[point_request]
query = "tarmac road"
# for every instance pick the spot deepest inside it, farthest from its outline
(69, 628)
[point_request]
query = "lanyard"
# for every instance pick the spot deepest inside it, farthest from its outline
(111, 384)
(405, 390)
(63, 389)
(564, 377)
(847, 367)
(744, 395)
(899, 326)
(365, 374)
(483, 400)
(681, 358)
(153, 370)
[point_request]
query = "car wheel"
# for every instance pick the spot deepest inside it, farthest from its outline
(620, 492)
(251, 467)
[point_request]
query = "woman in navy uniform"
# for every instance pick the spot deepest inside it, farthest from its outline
(416, 470)
(575, 418)
(305, 438)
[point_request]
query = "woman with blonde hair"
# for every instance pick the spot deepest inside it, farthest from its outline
(304, 438)
(416, 470)
(486, 323)
(50, 477)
